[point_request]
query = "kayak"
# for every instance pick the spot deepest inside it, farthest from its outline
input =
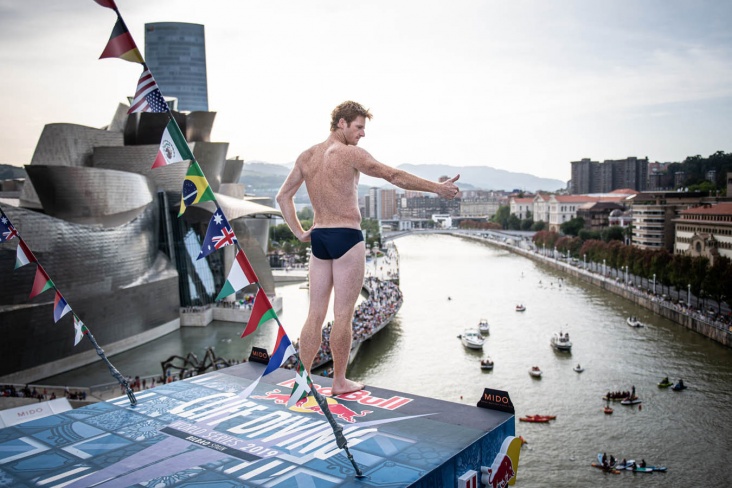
(607, 470)
(629, 401)
(631, 466)
(664, 384)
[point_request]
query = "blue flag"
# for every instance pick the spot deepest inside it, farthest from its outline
(218, 235)
(7, 231)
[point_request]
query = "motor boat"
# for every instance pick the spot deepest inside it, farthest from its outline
(484, 327)
(632, 400)
(520, 307)
(679, 386)
(560, 341)
(472, 339)
(634, 322)
(486, 363)
(537, 418)
(578, 369)
(535, 372)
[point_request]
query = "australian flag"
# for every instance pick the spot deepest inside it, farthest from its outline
(7, 231)
(218, 235)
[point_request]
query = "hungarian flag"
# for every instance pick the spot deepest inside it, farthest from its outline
(41, 282)
(282, 351)
(7, 231)
(241, 275)
(60, 307)
(120, 44)
(147, 96)
(80, 330)
(195, 188)
(262, 311)
(23, 255)
(218, 235)
(173, 147)
(302, 387)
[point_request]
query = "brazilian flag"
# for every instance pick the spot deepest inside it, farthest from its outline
(195, 188)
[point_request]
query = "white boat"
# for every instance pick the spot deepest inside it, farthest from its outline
(578, 369)
(486, 363)
(630, 401)
(472, 339)
(484, 327)
(520, 307)
(634, 322)
(535, 372)
(560, 341)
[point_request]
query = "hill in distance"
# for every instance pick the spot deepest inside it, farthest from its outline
(262, 176)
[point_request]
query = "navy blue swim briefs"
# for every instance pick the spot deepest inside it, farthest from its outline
(333, 242)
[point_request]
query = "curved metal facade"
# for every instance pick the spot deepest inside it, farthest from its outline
(108, 235)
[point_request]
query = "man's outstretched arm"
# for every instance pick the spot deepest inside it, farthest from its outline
(366, 164)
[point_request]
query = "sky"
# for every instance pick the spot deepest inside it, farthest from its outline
(523, 85)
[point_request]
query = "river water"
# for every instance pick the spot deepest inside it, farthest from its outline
(450, 283)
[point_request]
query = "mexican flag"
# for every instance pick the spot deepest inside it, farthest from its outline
(241, 275)
(173, 147)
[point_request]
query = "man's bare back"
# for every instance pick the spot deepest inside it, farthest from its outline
(330, 171)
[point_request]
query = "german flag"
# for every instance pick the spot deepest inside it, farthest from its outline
(121, 45)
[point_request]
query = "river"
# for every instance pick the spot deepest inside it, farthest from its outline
(450, 283)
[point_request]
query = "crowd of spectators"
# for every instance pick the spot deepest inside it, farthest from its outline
(40, 395)
(383, 302)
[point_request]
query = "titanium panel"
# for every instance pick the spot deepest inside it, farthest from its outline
(139, 160)
(110, 197)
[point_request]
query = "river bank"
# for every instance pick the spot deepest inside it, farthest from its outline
(690, 319)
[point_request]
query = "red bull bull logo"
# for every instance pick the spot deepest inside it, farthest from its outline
(502, 472)
(363, 397)
(309, 405)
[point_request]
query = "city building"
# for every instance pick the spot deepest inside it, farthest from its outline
(175, 52)
(105, 227)
(480, 204)
(705, 230)
(593, 177)
(654, 214)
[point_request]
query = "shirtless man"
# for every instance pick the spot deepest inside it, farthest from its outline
(330, 171)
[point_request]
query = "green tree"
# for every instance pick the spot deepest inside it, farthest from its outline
(572, 227)
(501, 216)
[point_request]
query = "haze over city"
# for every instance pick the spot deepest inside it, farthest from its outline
(523, 86)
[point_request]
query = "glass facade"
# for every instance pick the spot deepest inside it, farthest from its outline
(175, 52)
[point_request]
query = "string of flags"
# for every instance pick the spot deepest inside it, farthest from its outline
(196, 189)
(41, 283)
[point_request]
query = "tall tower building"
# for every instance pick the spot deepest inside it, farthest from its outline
(175, 52)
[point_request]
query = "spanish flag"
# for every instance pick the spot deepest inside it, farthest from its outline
(121, 45)
(195, 188)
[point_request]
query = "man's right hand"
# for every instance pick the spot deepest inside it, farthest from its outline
(448, 189)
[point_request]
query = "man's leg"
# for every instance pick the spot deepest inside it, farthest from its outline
(348, 271)
(321, 284)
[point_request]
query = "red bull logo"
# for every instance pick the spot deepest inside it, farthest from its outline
(499, 475)
(363, 397)
(502, 472)
(309, 405)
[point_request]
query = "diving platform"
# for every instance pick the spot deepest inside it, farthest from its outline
(202, 432)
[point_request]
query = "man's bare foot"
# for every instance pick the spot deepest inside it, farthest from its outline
(345, 386)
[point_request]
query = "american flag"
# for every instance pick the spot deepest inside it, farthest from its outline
(147, 97)
(7, 231)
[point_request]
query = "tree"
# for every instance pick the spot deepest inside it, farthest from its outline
(572, 227)
(501, 216)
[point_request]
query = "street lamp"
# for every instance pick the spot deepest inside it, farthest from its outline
(626, 274)
(584, 258)
(555, 252)
(654, 283)
(604, 269)
(688, 295)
